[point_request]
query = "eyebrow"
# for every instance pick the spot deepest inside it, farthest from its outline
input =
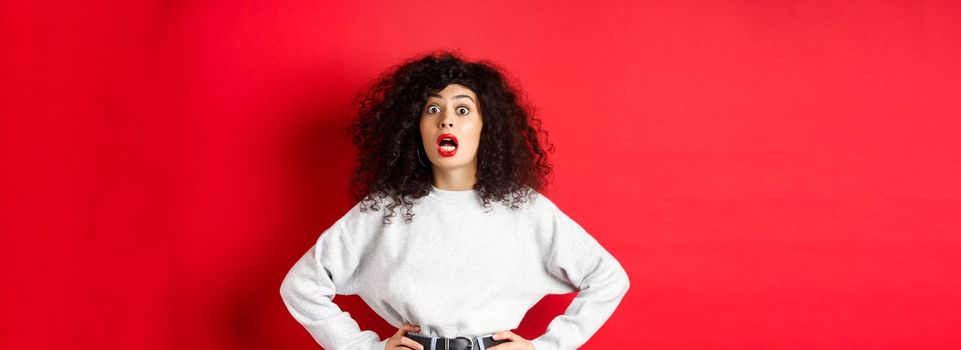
(458, 96)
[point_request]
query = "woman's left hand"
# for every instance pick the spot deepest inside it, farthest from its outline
(516, 342)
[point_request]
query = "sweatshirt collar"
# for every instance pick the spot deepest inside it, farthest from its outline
(450, 195)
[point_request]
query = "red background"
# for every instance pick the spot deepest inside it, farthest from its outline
(772, 175)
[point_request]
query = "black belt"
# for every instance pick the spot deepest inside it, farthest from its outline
(458, 343)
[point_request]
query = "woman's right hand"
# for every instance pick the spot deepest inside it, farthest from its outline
(400, 341)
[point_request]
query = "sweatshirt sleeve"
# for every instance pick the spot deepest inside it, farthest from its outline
(578, 261)
(328, 268)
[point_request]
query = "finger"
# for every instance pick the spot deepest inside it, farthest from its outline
(506, 335)
(407, 327)
(410, 343)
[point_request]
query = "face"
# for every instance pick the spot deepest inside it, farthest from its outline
(450, 127)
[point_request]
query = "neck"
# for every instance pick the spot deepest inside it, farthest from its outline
(459, 179)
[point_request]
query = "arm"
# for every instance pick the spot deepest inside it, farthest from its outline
(308, 291)
(577, 259)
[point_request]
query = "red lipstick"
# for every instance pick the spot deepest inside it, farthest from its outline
(449, 148)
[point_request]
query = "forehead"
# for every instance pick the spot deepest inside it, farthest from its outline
(452, 90)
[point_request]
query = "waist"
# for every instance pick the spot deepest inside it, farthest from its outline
(456, 343)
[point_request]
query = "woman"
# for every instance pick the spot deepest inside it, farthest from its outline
(442, 138)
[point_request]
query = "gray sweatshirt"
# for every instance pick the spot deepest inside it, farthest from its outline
(458, 269)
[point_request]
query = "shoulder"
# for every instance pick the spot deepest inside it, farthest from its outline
(540, 208)
(366, 212)
(550, 216)
(543, 204)
(359, 223)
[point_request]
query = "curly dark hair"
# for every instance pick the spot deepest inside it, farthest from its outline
(511, 158)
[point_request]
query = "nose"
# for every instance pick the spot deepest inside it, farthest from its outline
(447, 120)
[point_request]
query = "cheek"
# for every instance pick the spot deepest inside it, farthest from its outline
(477, 132)
(423, 130)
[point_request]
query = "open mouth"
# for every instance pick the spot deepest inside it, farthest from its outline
(447, 145)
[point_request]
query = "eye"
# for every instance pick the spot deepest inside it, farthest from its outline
(462, 110)
(433, 109)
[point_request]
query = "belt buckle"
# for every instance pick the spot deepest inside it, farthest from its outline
(447, 342)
